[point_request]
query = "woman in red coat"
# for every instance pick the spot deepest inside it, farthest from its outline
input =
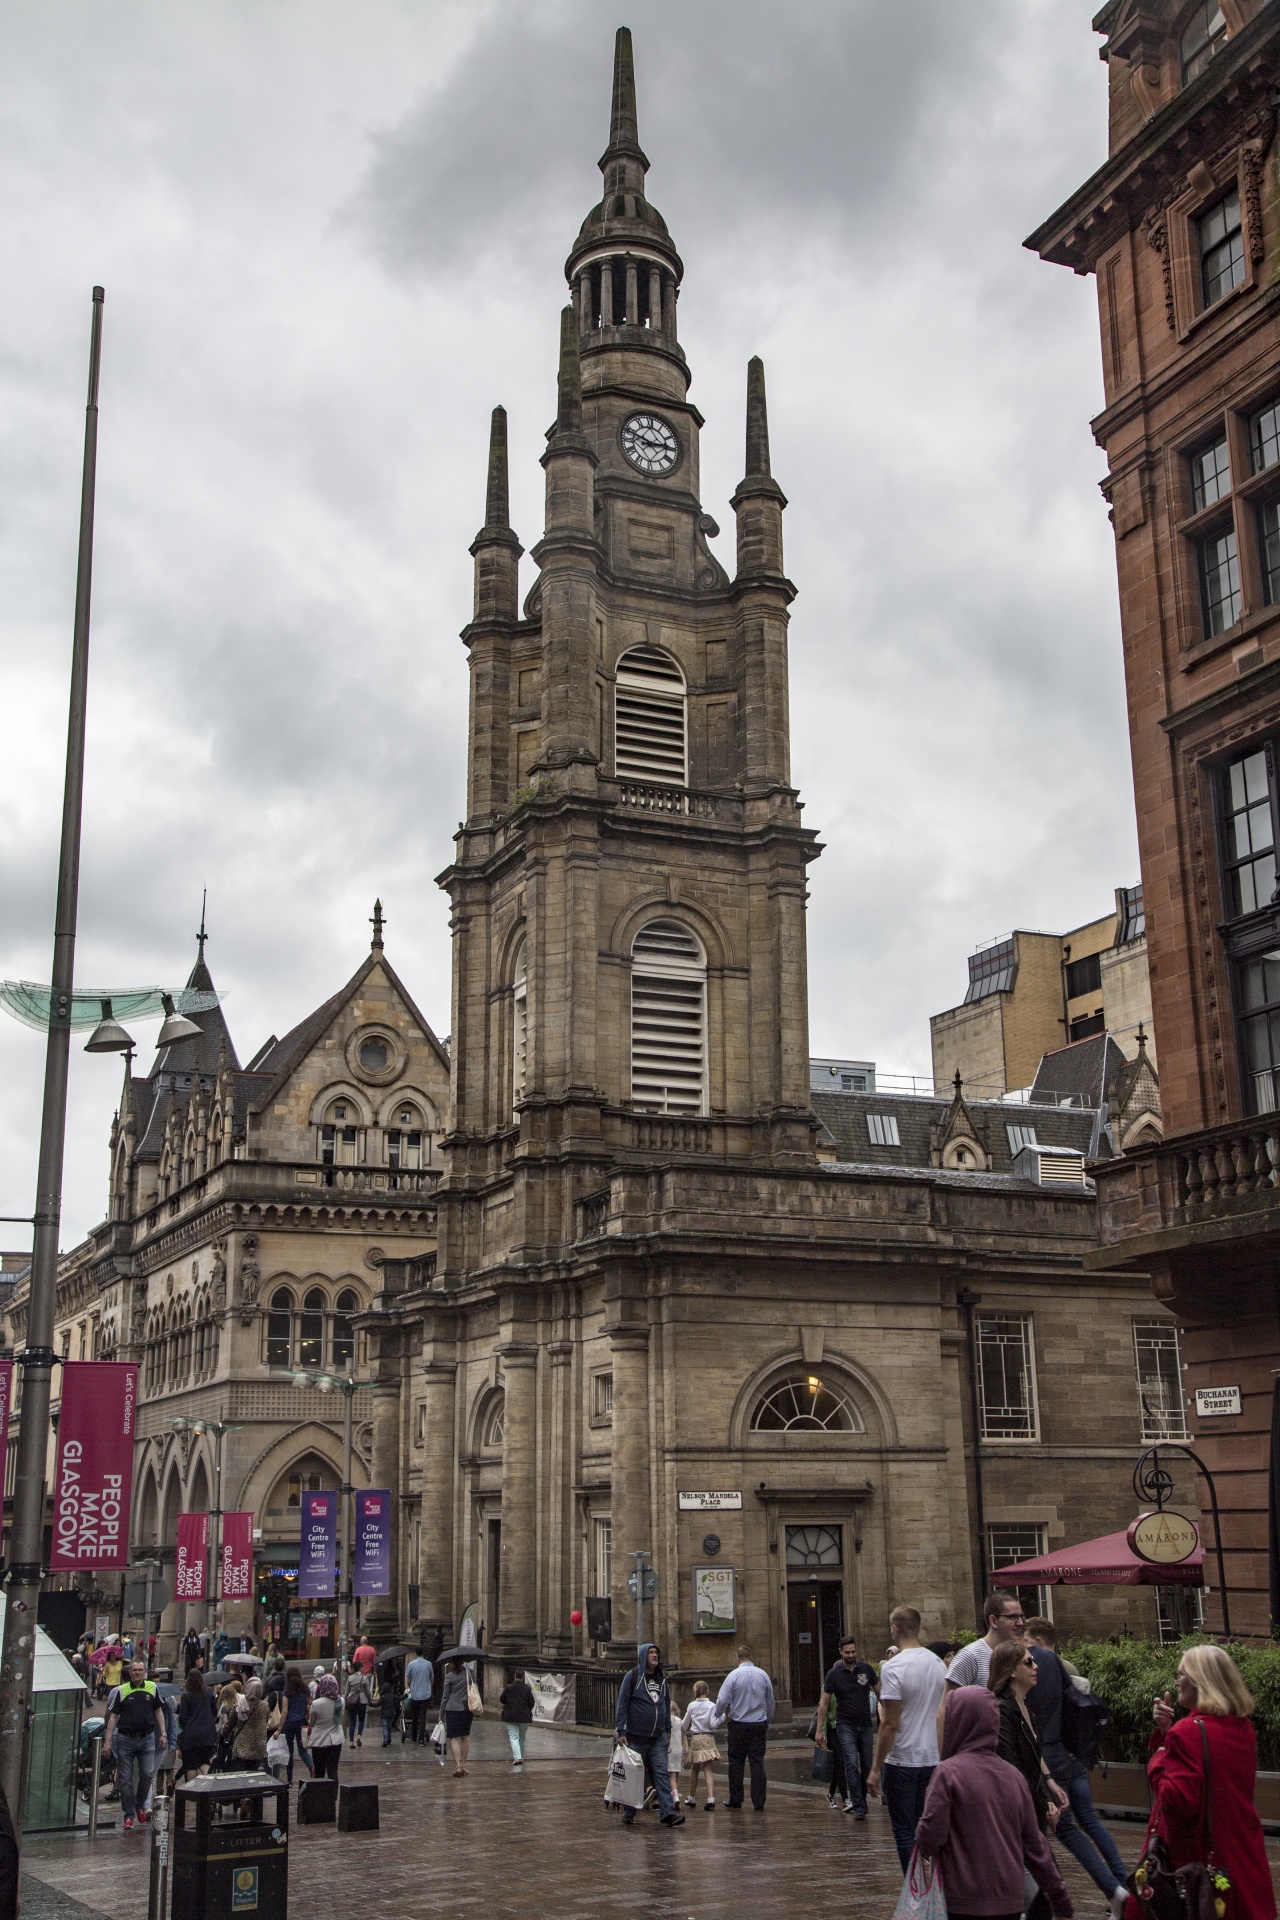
(1214, 1696)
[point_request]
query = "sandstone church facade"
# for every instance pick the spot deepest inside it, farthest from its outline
(617, 1274)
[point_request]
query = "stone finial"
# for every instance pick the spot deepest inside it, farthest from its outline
(377, 923)
(569, 411)
(624, 127)
(497, 508)
(757, 466)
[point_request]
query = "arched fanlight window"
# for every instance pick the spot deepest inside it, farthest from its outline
(668, 1020)
(520, 1026)
(344, 1339)
(649, 718)
(804, 1403)
(311, 1329)
(280, 1328)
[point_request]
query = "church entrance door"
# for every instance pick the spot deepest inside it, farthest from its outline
(815, 1621)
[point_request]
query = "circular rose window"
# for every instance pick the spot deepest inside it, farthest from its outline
(375, 1054)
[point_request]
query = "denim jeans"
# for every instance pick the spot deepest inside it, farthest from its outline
(747, 1740)
(1079, 1828)
(654, 1755)
(517, 1731)
(356, 1719)
(390, 1713)
(904, 1791)
(857, 1746)
(135, 1764)
(293, 1734)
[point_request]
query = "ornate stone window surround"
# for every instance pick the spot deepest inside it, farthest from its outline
(1173, 234)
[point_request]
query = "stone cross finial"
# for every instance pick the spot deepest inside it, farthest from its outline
(377, 923)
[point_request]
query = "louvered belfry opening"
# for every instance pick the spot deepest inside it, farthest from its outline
(668, 1020)
(649, 717)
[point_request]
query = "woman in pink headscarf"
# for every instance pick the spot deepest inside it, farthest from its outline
(979, 1823)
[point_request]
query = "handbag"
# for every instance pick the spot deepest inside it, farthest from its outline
(922, 1897)
(474, 1703)
(1179, 1893)
(824, 1764)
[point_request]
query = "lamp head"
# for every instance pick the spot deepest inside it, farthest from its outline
(108, 1036)
(176, 1025)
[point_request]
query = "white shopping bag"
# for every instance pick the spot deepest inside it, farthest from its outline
(675, 1750)
(625, 1784)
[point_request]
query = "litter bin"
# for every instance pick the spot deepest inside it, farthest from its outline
(230, 1856)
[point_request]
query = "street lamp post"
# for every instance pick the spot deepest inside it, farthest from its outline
(345, 1384)
(218, 1428)
(1151, 1481)
(27, 1536)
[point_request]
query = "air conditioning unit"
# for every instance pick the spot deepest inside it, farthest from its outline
(1051, 1166)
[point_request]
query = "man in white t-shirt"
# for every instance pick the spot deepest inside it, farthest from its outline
(1002, 1615)
(911, 1686)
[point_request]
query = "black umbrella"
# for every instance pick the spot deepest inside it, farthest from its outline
(463, 1653)
(395, 1653)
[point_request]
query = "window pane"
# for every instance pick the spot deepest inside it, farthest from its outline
(277, 1339)
(311, 1340)
(1160, 1394)
(1005, 1388)
(1221, 249)
(1210, 475)
(1269, 548)
(1264, 438)
(1219, 581)
(1250, 834)
(1203, 35)
(1006, 1546)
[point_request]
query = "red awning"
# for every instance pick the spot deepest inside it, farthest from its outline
(1108, 1562)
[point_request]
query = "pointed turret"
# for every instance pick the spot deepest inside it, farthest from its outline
(759, 500)
(623, 269)
(568, 731)
(199, 1056)
(495, 549)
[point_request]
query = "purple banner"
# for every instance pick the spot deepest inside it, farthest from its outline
(317, 1548)
(373, 1542)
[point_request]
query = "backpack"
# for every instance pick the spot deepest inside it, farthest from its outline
(1084, 1720)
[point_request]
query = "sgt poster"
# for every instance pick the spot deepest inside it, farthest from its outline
(714, 1602)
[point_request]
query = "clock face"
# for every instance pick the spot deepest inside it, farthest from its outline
(649, 443)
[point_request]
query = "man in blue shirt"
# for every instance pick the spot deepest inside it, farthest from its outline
(421, 1677)
(746, 1702)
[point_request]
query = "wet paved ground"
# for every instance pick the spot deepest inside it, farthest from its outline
(538, 1843)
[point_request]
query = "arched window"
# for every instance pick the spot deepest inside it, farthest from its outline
(408, 1139)
(649, 718)
(311, 1329)
(494, 1426)
(280, 1329)
(338, 1135)
(803, 1403)
(668, 1020)
(520, 1026)
(344, 1339)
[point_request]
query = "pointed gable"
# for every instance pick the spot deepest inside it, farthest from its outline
(335, 1051)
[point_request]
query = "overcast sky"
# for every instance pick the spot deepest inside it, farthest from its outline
(332, 237)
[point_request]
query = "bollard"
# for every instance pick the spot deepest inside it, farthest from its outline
(158, 1884)
(95, 1781)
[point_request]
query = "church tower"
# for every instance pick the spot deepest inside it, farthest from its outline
(628, 891)
(629, 886)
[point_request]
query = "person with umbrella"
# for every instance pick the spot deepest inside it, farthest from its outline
(421, 1677)
(456, 1711)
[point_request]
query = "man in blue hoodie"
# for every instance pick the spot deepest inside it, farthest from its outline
(644, 1723)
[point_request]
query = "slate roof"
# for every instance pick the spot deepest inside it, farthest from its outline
(1085, 1070)
(844, 1115)
(199, 1056)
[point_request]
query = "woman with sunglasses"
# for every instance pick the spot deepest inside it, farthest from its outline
(1012, 1676)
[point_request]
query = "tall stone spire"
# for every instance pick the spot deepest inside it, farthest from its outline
(624, 128)
(495, 549)
(569, 379)
(759, 500)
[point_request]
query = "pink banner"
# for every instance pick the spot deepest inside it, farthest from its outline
(193, 1549)
(93, 1480)
(237, 1556)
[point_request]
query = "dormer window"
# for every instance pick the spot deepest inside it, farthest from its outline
(1204, 35)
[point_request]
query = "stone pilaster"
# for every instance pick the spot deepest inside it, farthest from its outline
(435, 1562)
(517, 1589)
(629, 1500)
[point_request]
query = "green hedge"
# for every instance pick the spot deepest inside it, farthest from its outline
(1128, 1675)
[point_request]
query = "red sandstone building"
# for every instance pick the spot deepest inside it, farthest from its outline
(1181, 227)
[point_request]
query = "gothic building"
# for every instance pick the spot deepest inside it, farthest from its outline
(628, 1292)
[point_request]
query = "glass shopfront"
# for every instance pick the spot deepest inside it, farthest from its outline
(302, 1629)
